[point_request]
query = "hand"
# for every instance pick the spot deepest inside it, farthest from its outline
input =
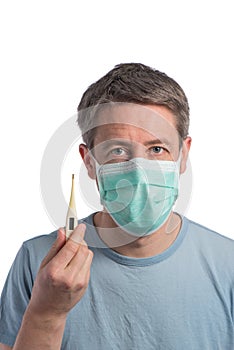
(63, 276)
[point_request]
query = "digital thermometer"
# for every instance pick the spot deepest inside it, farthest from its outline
(71, 220)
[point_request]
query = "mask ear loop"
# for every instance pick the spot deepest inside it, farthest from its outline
(177, 165)
(178, 161)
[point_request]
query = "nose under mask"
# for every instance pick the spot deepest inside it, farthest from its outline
(139, 194)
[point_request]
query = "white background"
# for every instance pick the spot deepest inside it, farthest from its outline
(52, 50)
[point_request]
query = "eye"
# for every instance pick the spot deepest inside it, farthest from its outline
(157, 149)
(118, 151)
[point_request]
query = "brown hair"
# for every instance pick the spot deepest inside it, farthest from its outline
(133, 83)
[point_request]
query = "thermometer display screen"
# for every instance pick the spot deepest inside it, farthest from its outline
(71, 223)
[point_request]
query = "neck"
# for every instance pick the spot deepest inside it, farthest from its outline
(132, 246)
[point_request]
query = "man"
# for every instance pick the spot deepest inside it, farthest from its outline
(143, 276)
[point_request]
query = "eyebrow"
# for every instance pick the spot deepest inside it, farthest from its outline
(110, 143)
(157, 141)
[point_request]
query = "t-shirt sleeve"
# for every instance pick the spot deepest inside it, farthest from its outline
(233, 304)
(15, 297)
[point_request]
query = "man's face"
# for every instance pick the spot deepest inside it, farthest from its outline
(127, 131)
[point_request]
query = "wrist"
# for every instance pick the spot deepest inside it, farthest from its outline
(40, 331)
(44, 320)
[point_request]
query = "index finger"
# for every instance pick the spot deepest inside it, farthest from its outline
(57, 245)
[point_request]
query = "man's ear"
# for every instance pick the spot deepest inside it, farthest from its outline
(185, 152)
(88, 160)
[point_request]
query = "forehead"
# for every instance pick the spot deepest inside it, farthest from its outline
(136, 123)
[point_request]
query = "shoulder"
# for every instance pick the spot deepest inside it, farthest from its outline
(40, 244)
(204, 234)
(212, 248)
(33, 251)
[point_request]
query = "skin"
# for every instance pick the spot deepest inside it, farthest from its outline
(64, 273)
(118, 142)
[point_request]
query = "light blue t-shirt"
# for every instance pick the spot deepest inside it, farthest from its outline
(181, 299)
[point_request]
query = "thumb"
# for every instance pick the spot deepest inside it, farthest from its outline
(57, 245)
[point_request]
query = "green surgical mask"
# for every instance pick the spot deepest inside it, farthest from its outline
(139, 194)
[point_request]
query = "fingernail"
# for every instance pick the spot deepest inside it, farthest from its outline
(61, 229)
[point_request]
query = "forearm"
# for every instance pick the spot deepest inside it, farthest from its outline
(39, 332)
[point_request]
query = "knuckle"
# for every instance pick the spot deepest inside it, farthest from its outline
(68, 284)
(72, 247)
(52, 276)
(83, 251)
(50, 271)
(81, 284)
(86, 254)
